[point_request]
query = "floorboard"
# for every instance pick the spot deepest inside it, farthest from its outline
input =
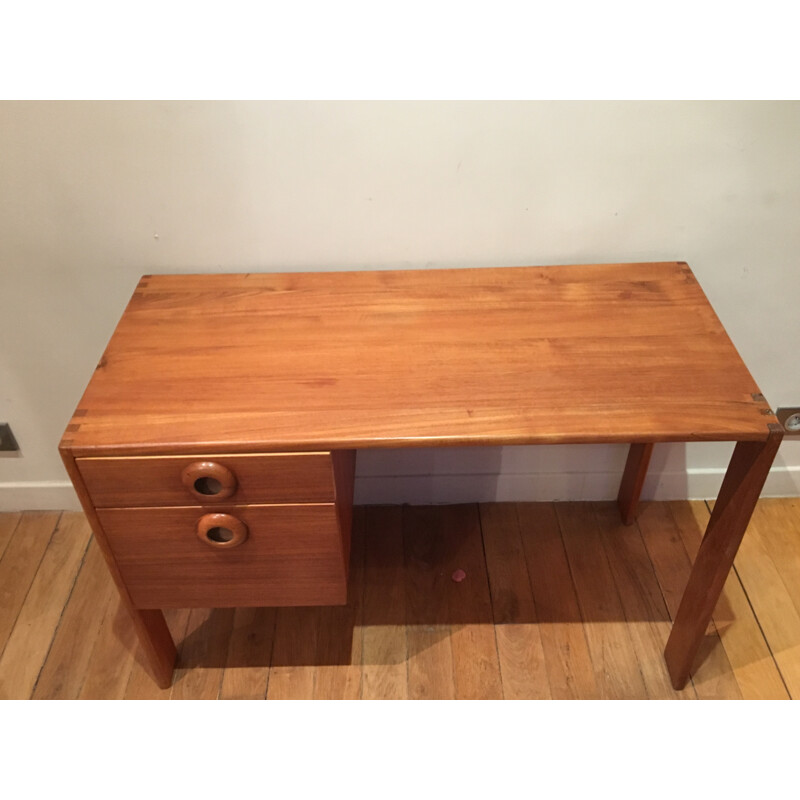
(777, 614)
(23, 553)
(8, 524)
(339, 643)
(428, 629)
(141, 685)
(569, 665)
(111, 661)
(476, 666)
(643, 605)
(36, 624)
(293, 668)
(713, 677)
(246, 674)
(753, 666)
(617, 670)
(517, 601)
(384, 645)
(519, 642)
(67, 662)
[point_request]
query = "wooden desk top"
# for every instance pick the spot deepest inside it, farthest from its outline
(524, 355)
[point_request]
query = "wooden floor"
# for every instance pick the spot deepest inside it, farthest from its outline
(558, 601)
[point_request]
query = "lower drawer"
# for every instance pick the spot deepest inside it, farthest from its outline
(288, 555)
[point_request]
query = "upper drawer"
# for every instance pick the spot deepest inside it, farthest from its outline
(208, 480)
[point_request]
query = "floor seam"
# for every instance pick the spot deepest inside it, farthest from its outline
(61, 615)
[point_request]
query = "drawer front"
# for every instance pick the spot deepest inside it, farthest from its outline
(208, 480)
(277, 555)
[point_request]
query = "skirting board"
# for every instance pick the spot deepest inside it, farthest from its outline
(695, 484)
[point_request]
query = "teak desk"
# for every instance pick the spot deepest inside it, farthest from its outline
(213, 450)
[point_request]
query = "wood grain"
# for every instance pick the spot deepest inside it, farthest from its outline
(294, 659)
(714, 678)
(206, 481)
(141, 685)
(741, 487)
(19, 563)
(633, 480)
(260, 478)
(113, 655)
(293, 555)
(302, 360)
(90, 657)
(384, 645)
(65, 668)
(777, 525)
(778, 616)
(519, 643)
(642, 603)
(741, 637)
(617, 669)
(339, 643)
(8, 524)
(476, 665)
(249, 654)
(569, 666)
(203, 654)
(221, 531)
(36, 623)
(344, 477)
(428, 628)
(305, 368)
(149, 624)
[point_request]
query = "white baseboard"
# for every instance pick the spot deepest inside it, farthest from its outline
(38, 496)
(694, 484)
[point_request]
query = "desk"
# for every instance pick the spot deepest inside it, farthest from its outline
(214, 448)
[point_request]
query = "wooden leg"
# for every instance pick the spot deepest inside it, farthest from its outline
(156, 641)
(740, 490)
(633, 480)
(151, 627)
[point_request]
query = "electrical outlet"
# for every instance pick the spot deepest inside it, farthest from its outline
(789, 417)
(7, 441)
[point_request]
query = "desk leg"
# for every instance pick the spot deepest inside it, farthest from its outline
(150, 625)
(156, 641)
(737, 498)
(632, 481)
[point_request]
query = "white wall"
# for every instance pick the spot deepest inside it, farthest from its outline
(92, 195)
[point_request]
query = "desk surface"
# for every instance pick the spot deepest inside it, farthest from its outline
(523, 355)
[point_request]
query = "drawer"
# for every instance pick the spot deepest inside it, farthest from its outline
(209, 479)
(289, 555)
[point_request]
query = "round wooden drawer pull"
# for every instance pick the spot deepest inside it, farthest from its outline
(221, 530)
(209, 481)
